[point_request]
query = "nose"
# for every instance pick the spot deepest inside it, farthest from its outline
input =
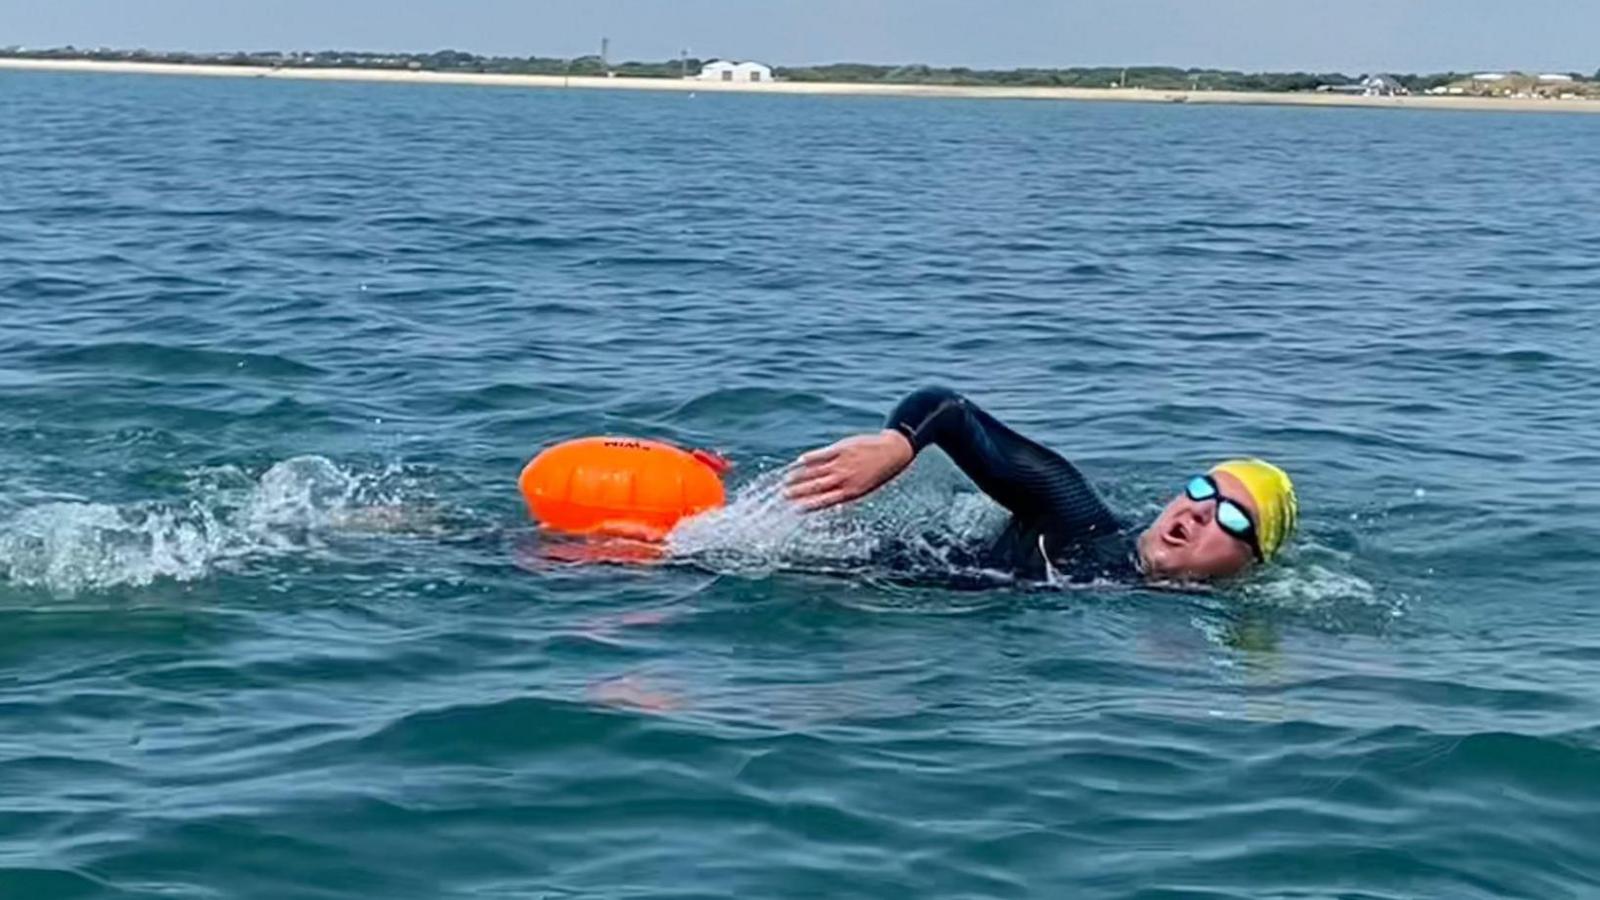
(1201, 513)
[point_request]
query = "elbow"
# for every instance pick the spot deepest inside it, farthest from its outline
(918, 416)
(932, 396)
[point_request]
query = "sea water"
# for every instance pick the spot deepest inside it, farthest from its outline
(274, 624)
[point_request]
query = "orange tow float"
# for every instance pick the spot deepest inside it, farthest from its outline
(621, 487)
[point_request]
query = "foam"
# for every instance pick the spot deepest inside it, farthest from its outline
(760, 531)
(68, 547)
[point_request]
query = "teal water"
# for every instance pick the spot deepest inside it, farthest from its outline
(273, 624)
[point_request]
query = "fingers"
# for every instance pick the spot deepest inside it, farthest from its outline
(811, 485)
(819, 456)
(827, 499)
(799, 472)
(817, 464)
(822, 478)
(819, 490)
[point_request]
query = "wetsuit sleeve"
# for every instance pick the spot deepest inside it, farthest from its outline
(1034, 483)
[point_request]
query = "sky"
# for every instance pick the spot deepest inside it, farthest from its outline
(1352, 36)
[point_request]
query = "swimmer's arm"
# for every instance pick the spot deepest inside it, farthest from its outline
(1034, 483)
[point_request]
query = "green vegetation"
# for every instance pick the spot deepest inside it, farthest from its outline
(440, 61)
(1152, 77)
(1147, 77)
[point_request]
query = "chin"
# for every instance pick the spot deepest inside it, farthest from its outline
(1156, 564)
(1162, 567)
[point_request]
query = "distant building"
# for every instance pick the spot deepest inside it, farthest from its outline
(1555, 79)
(1383, 86)
(1370, 86)
(724, 70)
(1489, 76)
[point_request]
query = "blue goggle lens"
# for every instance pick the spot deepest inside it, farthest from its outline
(1200, 488)
(1233, 519)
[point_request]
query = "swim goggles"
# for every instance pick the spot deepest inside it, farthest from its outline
(1231, 516)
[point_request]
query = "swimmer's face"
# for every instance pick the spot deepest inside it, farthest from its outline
(1185, 543)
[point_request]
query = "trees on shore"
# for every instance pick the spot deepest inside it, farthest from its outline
(1146, 77)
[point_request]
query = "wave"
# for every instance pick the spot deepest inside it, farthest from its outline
(167, 360)
(70, 547)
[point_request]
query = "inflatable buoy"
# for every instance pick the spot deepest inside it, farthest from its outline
(625, 487)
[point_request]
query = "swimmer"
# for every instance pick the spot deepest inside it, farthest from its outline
(1225, 521)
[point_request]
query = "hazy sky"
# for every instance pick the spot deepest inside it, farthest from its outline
(1352, 35)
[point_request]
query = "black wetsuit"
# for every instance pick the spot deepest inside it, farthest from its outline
(1060, 529)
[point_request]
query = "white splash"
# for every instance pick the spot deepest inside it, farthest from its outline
(1321, 581)
(760, 531)
(69, 547)
(77, 546)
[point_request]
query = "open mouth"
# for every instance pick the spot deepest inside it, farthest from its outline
(1177, 534)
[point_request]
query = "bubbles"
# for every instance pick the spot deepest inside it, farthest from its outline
(918, 521)
(68, 547)
(1309, 586)
(1320, 585)
(759, 529)
(294, 497)
(81, 546)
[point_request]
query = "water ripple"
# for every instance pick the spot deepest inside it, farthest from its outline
(273, 622)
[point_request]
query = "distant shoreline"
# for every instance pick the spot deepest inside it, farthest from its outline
(1122, 95)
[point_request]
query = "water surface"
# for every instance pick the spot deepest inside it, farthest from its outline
(273, 624)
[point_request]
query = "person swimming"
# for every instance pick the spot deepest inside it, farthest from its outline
(1235, 516)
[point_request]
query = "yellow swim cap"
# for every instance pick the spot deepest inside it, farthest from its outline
(1273, 492)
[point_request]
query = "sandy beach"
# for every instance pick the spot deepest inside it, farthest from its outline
(807, 87)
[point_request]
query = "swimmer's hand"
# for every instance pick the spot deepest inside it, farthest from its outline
(847, 470)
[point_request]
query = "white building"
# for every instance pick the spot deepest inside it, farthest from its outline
(1555, 79)
(1370, 86)
(1383, 86)
(724, 70)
